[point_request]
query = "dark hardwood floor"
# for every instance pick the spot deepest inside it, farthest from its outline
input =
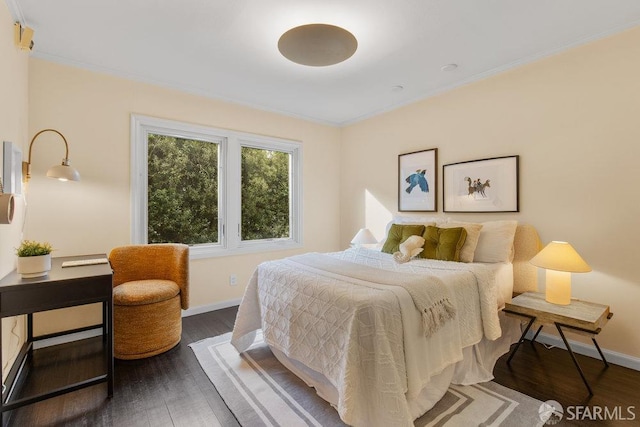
(172, 390)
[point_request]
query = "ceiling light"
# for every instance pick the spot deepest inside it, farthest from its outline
(317, 45)
(449, 67)
(397, 88)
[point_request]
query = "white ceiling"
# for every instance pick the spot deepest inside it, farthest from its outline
(227, 49)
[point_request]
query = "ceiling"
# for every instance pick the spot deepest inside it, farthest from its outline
(227, 49)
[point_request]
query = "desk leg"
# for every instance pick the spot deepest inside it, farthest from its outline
(575, 361)
(30, 332)
(2, 392)
(105, 319)
(531, 320)
(109, 326)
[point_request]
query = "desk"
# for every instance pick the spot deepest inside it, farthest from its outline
(581, 317)
(62, 287)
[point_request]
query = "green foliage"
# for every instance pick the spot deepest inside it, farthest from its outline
(265, 194)
(32, 248)
(183, 192)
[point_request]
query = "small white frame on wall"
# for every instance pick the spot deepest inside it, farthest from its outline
(11, 168)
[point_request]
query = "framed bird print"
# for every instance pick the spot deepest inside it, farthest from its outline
(418, 181)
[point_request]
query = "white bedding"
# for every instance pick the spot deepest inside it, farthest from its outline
(365, 338)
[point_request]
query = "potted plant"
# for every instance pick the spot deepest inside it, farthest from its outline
(34, 259)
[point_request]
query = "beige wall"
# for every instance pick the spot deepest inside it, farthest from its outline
(573, 119)
(13, 127)
(92, 216)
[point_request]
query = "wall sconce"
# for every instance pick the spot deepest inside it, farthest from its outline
(63, 172)
(22, 37)
(560, 260)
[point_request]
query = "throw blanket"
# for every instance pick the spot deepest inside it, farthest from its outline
(484, 277)
(429, 293)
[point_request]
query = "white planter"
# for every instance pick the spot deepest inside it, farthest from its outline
(34, 266)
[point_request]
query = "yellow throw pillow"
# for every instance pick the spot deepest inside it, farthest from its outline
(443, 243)
(398, 234)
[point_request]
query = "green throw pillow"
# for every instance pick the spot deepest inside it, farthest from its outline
(398, 233)
(443, 243)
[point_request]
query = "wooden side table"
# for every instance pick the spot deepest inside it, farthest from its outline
(582, 317)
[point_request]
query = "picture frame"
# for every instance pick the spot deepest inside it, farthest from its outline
(418, 181)
(485, 185)
(11, 168)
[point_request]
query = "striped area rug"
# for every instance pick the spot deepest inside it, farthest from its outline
(259, 391)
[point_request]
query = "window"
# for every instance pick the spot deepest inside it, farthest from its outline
(219, 191)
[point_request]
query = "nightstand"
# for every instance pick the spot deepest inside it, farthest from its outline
(582, 317)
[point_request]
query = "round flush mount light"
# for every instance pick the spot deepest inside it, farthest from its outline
(317, 45)
(449, 67)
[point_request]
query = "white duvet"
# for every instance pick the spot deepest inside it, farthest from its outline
(366, 338)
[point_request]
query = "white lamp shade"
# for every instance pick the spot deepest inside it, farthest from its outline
(560, 256)
(63, 173)
(364, 237)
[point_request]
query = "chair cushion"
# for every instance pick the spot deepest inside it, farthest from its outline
(140, 292)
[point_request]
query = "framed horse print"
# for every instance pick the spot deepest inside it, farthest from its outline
(486, 185)
(418, 181)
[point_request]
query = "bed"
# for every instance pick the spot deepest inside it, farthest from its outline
(352, 323)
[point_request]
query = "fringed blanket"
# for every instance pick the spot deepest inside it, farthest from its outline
(429, 293)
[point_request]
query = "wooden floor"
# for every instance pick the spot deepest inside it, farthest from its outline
(172, 390)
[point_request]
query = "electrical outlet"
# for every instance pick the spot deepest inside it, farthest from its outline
(233, 280)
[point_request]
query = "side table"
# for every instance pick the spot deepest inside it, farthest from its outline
(582, 317)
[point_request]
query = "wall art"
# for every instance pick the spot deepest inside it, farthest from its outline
(418, 181)
(486, 185)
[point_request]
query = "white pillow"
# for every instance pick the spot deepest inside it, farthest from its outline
(496, 241)
(473, 234)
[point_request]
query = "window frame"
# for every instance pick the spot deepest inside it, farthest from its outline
(229, 184)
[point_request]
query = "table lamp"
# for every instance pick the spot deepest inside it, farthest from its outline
(363, 237)
(560, 260)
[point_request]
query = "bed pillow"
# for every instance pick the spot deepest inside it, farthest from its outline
(496, 241)
(405, 220)
(471, 242)
(443, 243)
(398, 233)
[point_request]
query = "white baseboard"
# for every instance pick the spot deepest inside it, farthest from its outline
(211, 307)
(589, 350)
(98, 331)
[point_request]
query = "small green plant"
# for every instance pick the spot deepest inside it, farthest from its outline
(33, 248)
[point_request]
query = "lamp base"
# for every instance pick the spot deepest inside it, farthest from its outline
(558, 287)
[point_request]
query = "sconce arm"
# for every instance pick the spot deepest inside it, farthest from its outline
(65, 161)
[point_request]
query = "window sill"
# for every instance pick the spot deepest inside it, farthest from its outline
(205, 251)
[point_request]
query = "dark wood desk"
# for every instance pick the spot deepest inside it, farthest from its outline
(62, 287)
